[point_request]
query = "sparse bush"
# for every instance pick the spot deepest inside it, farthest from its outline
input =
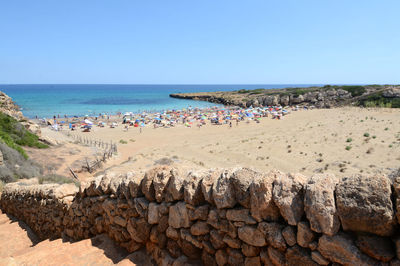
(349, 140)
(123, 141)
(366, 135)
(164, 161)
(15, 135)
(15, 165)
(56, 179)
(348, 148)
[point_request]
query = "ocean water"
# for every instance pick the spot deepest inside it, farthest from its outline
(49, 100)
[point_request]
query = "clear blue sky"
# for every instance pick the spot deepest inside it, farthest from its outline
(200, 42)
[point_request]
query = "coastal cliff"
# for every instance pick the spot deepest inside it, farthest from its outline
(320, 97)
(223, 217)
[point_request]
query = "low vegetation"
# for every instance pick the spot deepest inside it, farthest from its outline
(15, 135)
(57, 179)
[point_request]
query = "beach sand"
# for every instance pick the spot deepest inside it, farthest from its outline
(308, 142)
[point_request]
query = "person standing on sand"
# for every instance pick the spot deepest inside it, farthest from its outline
(230, 124)
(140, 130)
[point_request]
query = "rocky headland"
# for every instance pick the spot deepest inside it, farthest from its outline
(320, 97)
(222, 216)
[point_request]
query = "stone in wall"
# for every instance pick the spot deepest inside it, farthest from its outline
(364, 204)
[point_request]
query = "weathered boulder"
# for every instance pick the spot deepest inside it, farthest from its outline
(154, 184)
(252, 261)
(289, 235)
(240, 215)
(207, 184)
(288, 194)
(297, 256)
(250, 251)
(252, 236)
(318, 258)
(364, 204)
(273, 234)
(341, 249)
(319, 204)
(304, 234)
(235, 257)
(224, 192)
(262, 205)
(138, 229)
(241, 179)
(199, 228)
(192, 188)
(178, 215)
(276, 257)
(376, 247)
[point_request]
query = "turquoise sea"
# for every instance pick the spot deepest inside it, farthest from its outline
(49, 100)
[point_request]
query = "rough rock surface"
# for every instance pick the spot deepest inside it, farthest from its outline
(288, 195)
(364, 204)
(319, 204)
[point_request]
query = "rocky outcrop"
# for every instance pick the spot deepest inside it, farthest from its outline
(8, 107)
(221, 217)
(320, 97)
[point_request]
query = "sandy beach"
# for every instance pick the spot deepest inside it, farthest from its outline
(342, 141)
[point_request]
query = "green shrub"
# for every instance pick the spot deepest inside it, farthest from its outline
(354, 90)
(348, 148)
(15, 135)
(56, 179)
(123, 141)
(349, 140)
(366, 135)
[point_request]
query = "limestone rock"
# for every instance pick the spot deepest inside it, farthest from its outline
(289, 235)
(174, 189)
(277, 257)
(134, 184)
(319, 204)
(252, 261)
(192, 192)
(207, 184)
(250, 251)
(221, 257)
(341, 249)
(288, 196)
(241, 179)
(379, 248)
(199, 228)
(232, 242)
(273, 234)
(297, 256)
(239, 215)
(304, 234)
(235, 257)
(199, 213)
(153, 214)
(251, 236)
(216, 239)
(223, 192)
(138, 229)
(261, 203)
(364, 204)
(178, 215)
(318, 258)
(162, 176)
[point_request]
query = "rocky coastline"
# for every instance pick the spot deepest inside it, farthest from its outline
(320, 97)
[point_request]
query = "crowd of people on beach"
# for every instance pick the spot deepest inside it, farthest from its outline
(190, 117)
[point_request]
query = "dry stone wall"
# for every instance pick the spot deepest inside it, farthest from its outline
(223, 217)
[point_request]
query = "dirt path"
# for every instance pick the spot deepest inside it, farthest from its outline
(20, 246)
